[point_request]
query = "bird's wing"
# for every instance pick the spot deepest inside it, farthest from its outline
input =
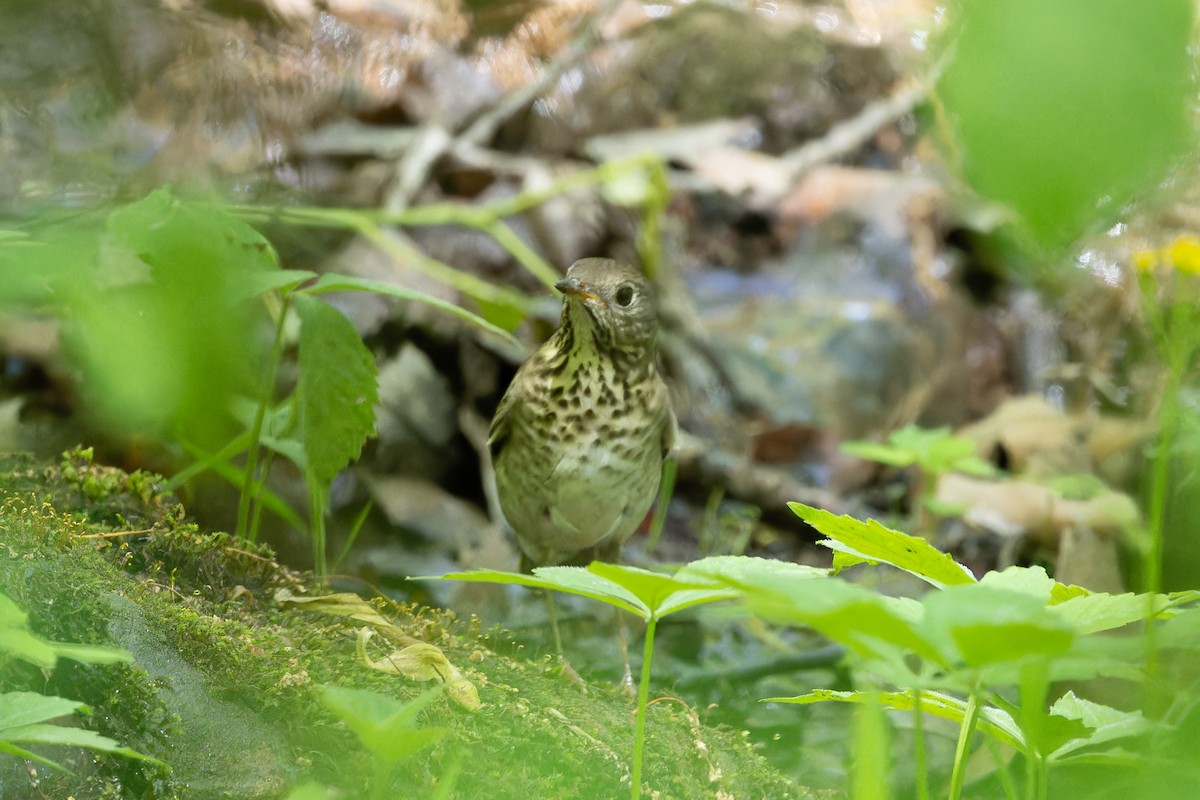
(670, 433)
(501, 424)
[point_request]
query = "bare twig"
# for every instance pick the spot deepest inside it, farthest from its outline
(484, 128)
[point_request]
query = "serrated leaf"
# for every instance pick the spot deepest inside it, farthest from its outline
(338, 390)
(1105, 724)
(1091, 613)
(872, 542)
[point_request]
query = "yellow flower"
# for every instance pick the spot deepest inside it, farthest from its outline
(1145, 260)
(1184, 254)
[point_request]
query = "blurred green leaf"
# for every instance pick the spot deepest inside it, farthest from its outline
(978, 625)
(23, 717)
(157, 319)
(1064, 109)
(384, 724)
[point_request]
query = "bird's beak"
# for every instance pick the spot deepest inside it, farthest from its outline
(572, 286)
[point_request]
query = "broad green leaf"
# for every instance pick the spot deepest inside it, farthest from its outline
(746, 570)
(662, 594)
(1091, 613)
(71, 737)
(1106, 724)
(1031, 581)
(572, 580)
(1182, 631)
(332, 282)
(25, 708)
(337, 391)
(978, 625)
(649, 595)
(384, 724)
(994, 721)
(23, 717)
(868, 623)
(872, 542)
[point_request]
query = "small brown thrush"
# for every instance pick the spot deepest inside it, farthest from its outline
(579, 439)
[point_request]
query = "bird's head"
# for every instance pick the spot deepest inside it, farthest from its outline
(613, 302)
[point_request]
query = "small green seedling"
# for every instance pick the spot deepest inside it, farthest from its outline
(648, 595)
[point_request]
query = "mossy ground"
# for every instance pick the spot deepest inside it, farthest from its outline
(224, 687)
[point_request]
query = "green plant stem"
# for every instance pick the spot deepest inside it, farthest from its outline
(260, 413)
(1155, 516)
(318, 503)
(639, 731)
(920, 759)
(963, 748)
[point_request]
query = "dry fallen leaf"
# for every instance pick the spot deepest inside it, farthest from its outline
(422, 662)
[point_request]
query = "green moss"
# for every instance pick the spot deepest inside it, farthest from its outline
(224, 683)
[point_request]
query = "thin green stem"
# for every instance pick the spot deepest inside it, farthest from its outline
(963, 748)
(1155, 517)
(318, 503)
(639, 732)
(920, 759)
(260, 413)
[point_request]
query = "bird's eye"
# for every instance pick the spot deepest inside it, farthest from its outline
(624, 296)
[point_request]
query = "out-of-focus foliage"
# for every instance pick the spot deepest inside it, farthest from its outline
(1064, 109)
(155, 312)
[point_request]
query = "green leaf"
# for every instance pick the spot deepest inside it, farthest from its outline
(1105, 724)
(92, 653)
(1092, 613)
(646, 594)
(994, 721)
(22, 720)
(337, 391)
(870, 624)
(978, 625)
(873, 543)
(18, 709)
(383, 723)
(662, 594)
(572, 580)
(254, 284)
(157, 323)
(882, 453)
(333, 282)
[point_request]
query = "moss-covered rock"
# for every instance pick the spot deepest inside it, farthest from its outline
(224, 686)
